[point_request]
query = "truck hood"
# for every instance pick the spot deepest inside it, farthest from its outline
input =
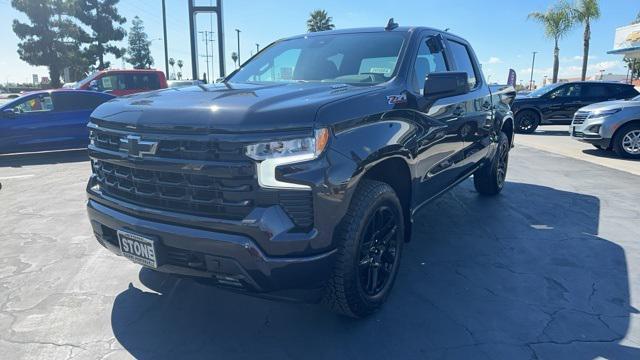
(224, 107)
(609, 105)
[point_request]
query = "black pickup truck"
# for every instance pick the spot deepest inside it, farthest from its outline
(299, 176)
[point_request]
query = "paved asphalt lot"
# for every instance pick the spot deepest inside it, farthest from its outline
(550, 269)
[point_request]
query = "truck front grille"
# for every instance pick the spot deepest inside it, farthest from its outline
(189, 193)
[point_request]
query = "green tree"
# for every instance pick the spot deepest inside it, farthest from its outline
(172, 62)
(102, 17)
(50, 38)
(557, 22)
(583, 12)
(637, 20)
(139, 53)
(319, 20)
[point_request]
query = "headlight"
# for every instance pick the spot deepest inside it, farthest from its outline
(603, 113)
(272, 154)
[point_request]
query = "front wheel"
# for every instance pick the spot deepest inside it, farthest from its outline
(490, 179)
(626, 142)
(371, 238)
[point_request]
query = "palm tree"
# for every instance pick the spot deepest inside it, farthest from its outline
(234, 57)
(319, 20)
(172, 62)
(557, 22)
(180, 65)
(583, 12)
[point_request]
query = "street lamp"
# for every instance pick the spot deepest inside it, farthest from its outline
(533, 64)
(238, 53)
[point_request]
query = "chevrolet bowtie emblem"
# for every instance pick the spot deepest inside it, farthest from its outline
(136, 147)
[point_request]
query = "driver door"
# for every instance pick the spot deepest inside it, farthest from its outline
(27, 128)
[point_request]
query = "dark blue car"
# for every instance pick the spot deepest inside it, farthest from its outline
(48, 120)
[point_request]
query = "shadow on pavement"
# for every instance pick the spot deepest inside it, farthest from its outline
(43, 158)
(605, 154)
(518, 276)
(543, 132)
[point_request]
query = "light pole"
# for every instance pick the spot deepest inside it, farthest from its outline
(533, 63)
(164, 29)
(257, 48)
(238, 32)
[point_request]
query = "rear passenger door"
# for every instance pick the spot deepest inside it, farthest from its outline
(477, 125)
(595, 93)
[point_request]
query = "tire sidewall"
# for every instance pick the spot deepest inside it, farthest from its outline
(619, 149)
(384, 199)
(524, 113)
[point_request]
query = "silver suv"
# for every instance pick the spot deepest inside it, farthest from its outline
(610, 125)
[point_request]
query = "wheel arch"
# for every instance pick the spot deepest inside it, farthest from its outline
(617, 132)
(509, 129)
(395, 172)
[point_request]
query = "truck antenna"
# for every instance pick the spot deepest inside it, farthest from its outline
(391, 25)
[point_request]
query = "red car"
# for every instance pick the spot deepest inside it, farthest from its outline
(123, 82)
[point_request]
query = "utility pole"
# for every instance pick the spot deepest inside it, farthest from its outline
(166, 50)
(533, 63)
(238, 32)
(257, 48)
(206, 49)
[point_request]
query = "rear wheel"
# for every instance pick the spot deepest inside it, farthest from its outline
(490, 179)
(527, 121)
(626, 142)
(371, 239)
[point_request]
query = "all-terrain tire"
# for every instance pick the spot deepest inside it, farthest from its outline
(490, 179)
(344, 292)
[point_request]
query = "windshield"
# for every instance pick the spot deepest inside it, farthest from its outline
(80, 83)
(364, 58)
(543, 90)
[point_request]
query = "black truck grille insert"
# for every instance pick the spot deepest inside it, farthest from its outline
(177, 149)
(189, 193)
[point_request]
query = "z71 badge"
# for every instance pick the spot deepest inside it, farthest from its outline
(397, 99)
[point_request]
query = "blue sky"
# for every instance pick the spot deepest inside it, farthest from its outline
(498, 29)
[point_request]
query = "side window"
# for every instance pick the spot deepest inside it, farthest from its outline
(597, 91)
(571, 90)
(108, 82)
(428, 61)
(463, 61)
(39, 103)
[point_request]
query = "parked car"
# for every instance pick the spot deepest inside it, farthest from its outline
(47, 120)
(183, 83)
(611, 125)
(555, 104)
(300, 174)
(123, 82)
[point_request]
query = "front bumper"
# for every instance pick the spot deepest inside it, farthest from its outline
(224, 259)
(592, 131)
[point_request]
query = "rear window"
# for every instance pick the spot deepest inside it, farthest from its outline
(129, 81)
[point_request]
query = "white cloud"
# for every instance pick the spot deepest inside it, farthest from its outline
(492, 60)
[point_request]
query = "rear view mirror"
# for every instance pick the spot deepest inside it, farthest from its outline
(444, 84)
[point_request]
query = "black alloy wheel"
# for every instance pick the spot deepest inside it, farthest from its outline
(527, 122)
(379, 248)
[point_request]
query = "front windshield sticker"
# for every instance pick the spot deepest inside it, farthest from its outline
(380, 70)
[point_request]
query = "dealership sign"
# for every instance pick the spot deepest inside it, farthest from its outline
(627, 41)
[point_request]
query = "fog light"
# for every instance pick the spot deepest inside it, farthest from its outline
(594, 129)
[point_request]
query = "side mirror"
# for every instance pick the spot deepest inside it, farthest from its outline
(8, 113)
(445, 84)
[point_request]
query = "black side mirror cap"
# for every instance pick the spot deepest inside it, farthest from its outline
(445, 84)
